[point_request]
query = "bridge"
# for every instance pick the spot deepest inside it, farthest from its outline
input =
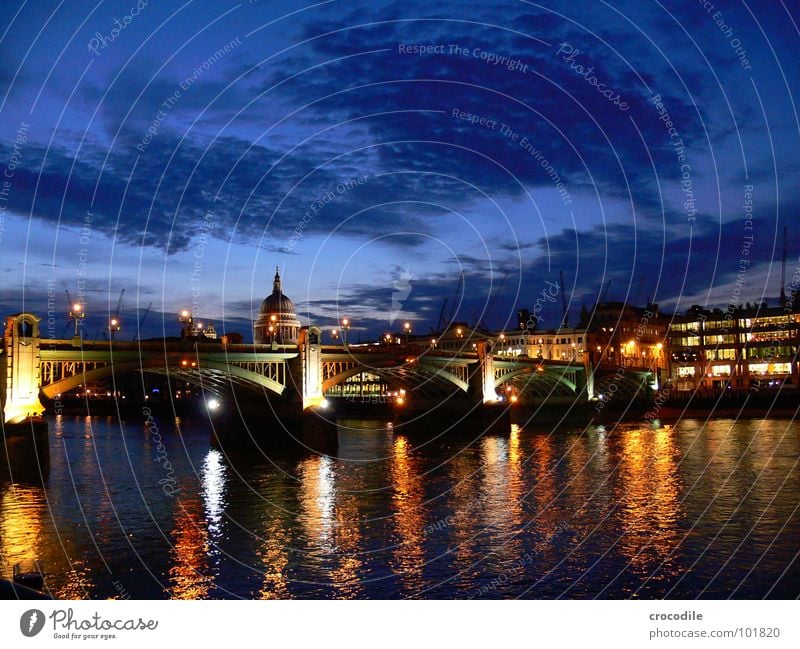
(306, 375)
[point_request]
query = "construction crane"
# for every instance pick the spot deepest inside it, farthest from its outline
(565, 318)
(456, 298)
(114, 322)
(141, 321)
(440, 324)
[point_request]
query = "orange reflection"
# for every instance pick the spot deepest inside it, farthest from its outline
(275, 559)
(79, 583)
(464, 502)
(409, 518)
(21, 515)
(348, 536)
(189, 578)
(648, 492)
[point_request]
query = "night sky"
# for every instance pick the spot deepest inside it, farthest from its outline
(375, 151)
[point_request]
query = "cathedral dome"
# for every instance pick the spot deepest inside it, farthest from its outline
(277, 303)
(277, 321)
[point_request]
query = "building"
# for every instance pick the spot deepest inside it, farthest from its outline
(277, 321)
(737, 350)
(565, 344)
(624, 335)
(614, 334)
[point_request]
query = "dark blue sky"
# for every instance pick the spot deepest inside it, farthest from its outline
(374, 151)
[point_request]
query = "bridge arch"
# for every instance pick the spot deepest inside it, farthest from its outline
(412, 376)
(208, 375)
(545, 376)
(622, 384)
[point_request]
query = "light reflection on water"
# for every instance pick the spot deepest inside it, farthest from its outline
(681, 511)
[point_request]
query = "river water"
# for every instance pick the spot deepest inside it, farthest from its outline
(690, 510)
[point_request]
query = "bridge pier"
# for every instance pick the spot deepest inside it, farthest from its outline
(20, 366)
(482, 380)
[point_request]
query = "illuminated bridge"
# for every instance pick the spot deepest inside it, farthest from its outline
(306, 374)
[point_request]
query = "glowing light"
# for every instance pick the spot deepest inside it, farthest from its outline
(76, 308)
(514, 398)
(213, 404)
(324, 403)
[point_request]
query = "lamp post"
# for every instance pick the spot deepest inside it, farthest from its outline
(185, 318)
(407, 330)
(502, 344)
(76, 314)
(345, 325)
(113, 327)
(274, 329)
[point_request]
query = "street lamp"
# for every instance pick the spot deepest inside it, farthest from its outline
(345, 325)
(185, 318)
(113, 326)
(76, 314)
(334, 334)
(407, 330)
(502, 344)
(274, 328)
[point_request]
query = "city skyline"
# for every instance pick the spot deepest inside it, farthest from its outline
(377, 153)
